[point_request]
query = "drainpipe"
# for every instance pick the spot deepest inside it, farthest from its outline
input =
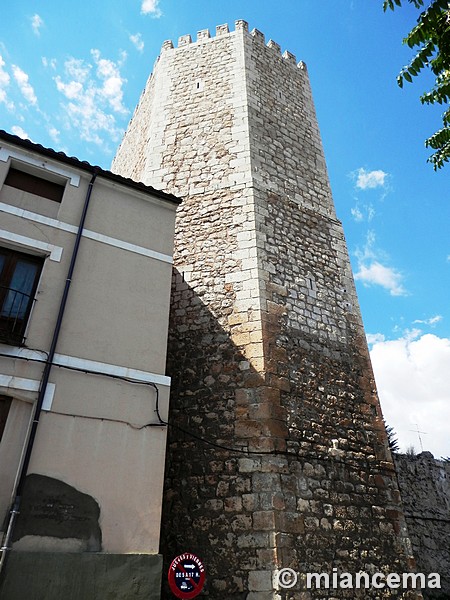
(15, 509)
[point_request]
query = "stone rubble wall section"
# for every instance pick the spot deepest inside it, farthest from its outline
(424, 484)
(288, 169)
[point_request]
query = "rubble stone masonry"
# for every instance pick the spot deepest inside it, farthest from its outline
(424, 484)
(277, 453)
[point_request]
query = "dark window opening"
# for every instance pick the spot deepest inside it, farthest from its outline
(19, 275)
(35, 185)
(5, 404)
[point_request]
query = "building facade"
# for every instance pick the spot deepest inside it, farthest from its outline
(86, 262)
(277, 453)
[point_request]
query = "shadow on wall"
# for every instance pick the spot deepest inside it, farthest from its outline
(53, 509)
(243, 506)
(204, 507)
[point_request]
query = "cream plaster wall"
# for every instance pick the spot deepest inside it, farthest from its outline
(94, 437)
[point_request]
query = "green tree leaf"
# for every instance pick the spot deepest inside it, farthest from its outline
(432, 36)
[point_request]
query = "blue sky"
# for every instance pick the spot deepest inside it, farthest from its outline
(71, 75)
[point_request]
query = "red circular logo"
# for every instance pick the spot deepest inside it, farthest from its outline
(186, 576)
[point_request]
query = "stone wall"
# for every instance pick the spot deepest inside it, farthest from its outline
(425, 488)
(277, 453)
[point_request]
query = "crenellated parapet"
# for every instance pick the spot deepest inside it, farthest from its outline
(241, 26)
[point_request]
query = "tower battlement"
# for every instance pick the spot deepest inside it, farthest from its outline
(241, 26)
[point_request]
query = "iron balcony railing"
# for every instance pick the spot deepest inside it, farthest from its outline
(14, 312)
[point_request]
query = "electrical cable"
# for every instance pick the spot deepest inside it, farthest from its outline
(162, 423)
(65, 414)
(315, 457)
(440, 519)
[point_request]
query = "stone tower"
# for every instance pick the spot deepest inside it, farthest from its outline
(277, 452)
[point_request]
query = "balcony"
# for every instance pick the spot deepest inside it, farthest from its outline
(14, 313)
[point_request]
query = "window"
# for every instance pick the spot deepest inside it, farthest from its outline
(19, 275)
(35, 185)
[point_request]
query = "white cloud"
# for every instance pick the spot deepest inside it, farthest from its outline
(371, 270)
(78, 69)
(25, 87)
(431, 321)
(71, 90)
(94, 97)
(360, 213)
(16, 130)
(368, 252)
(4, 83)
(4, 76)
(369, 180)
(374, 338)
(412, 334)
(413, 381)
(377, 274)
(150, 7)
(49, 62)
(36, 24)
(54, 134)
(111, 91)
(91, 120)
(357, 214)
(138, 42)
